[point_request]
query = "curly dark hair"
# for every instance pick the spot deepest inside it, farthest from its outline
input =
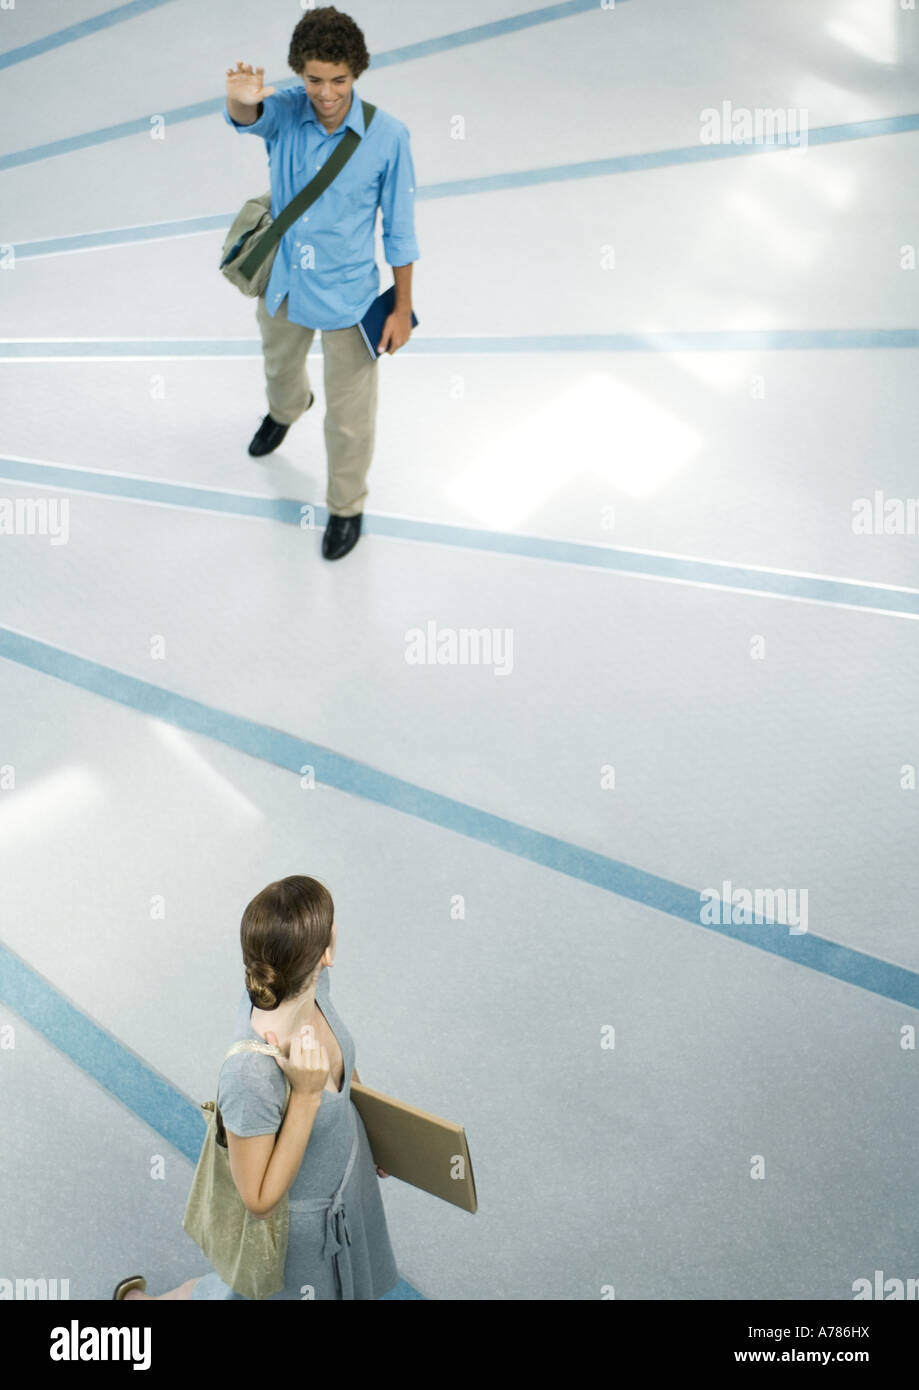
(328, 36)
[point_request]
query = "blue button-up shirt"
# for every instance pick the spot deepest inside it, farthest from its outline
(325, 261)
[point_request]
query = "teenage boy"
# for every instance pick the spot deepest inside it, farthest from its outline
(325, 274)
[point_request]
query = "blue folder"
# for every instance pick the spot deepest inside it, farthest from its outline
(371, 325)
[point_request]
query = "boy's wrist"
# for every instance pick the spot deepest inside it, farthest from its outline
(238, 112)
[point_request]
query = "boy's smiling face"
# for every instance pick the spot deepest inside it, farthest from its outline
(328, 86)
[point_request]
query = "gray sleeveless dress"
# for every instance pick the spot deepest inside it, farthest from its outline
(338, 1247)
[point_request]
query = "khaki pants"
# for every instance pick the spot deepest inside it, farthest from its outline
(350, 380)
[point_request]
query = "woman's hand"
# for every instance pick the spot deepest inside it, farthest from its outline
(245, 85)
(380, 1173)
(307, 1066)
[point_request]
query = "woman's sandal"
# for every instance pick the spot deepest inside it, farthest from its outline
(137, 1281)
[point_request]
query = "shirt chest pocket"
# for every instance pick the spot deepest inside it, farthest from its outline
(355, 194)
(359, 188)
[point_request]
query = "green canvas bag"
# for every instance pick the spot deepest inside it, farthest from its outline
(253, 239)
(248, 1253)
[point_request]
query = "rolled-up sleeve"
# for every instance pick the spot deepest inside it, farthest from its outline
(268, 123)
(397, 201)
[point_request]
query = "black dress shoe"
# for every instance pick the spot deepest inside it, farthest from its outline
(269, 435)
(341, 535)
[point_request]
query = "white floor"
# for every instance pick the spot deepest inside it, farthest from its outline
(755, 737)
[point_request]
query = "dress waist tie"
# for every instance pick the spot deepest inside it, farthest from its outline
(337, 1231)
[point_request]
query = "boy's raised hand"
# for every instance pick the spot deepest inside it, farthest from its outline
(245, 85)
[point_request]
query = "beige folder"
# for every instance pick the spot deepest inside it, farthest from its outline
(419, 1148)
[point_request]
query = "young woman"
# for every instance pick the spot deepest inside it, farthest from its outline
(338, 1247)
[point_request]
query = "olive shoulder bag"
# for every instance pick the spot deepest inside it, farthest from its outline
(247, 1252)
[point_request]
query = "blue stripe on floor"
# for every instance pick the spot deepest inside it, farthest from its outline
(660, 159)
(124, 236)
(490, 183)
(739, 340)
(144, 1091)
(442, 43)
(403, 1292)
(82, 30)
(118, 1069)
(358, 779)
(424, 48)
(519, 178)
(675, 568)
(454, 188)
(478, 33)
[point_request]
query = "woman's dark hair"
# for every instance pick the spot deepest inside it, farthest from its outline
(328, 36)
(283, 934)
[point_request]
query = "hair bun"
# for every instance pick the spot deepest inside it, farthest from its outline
(261, 980)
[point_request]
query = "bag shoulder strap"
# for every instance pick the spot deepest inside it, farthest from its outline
(249, 1045)
(308, 195)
